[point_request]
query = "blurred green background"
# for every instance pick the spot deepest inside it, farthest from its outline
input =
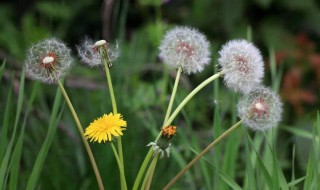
(287, 31)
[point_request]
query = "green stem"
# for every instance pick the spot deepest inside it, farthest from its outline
(222, 136)
(174, 90)
(188, 98)
(113, 99)
(142, 169)
(123, 181)
(85, 142)
(149, 175)
(115, 111)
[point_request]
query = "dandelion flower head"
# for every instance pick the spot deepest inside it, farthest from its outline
(91, 55)
(48, 60)
(105, 128)
(261, 109)
(242, 65)
(186, 48)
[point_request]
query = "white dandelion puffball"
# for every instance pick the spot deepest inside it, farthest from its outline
(261, 109)
(48, 60)
(89, 52)
(186, 48)
(242, 65)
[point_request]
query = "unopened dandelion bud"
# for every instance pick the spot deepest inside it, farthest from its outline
(186, 48)
(261, 109)
(162, 146)
(95, 54)
(242, 65)
(48, 60)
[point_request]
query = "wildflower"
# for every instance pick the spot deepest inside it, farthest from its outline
(163, 145)
(242, 65)
(91, 54)
(105, 127)
(48, 60)
(186, 48)
(260, 109)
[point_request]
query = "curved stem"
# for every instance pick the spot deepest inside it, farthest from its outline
(85, 142)
(174, 90)
(187, 99)
(123, 181)
(222, 136)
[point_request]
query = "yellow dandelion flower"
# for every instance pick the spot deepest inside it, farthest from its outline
(103, 128)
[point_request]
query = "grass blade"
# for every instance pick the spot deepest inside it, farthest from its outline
(37, 168)
(250, 179)
(16, 155)
(5, 124)
(2, 69)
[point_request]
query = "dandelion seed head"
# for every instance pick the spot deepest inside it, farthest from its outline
(242, 65)
(261, 109)
(48, 61)
(89, 52)
(186, 48)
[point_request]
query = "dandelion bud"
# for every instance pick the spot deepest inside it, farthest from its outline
(48, 60)
(242, 65)
(186, 48)
(91, 54)
(163, 145)
(260, 109)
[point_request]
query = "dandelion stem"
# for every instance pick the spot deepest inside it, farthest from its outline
(188, 98)
(107, 62)
(142, 169)
(174, 90)
(123, 181)
(85, 142)
(222, 136)
(149, 175)
(113, 100)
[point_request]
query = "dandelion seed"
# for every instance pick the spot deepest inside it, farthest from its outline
(186, 48)
(261, 109)
(48, 61)
(242, 65)
(90, 54)
(105, 128)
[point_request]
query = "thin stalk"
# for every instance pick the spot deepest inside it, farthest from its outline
(222, 136)
(149, 175)
(85, 142)
(113, 99)
(141, 170)
(114, 108)
(123, 181)
(174, 90)
(188, 98)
